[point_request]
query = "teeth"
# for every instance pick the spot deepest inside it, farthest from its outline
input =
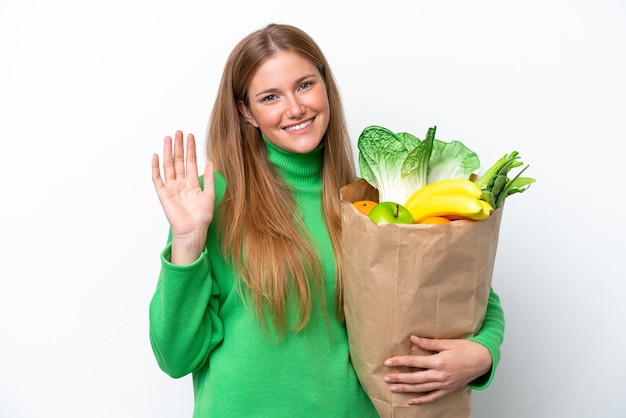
(299, 126)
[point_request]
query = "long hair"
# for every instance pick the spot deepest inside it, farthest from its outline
(272, 254)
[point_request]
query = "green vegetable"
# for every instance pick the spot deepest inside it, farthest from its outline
(497, 185)
(381, 154)
(415, 166)
(409, 141)
(398, 164)
(451, 160)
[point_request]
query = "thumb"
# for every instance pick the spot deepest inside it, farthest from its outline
(208, 185)
(209, 175)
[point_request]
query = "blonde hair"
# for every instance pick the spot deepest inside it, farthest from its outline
(272, 254)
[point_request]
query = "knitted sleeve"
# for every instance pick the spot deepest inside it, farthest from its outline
(184, 325)
(491, 336)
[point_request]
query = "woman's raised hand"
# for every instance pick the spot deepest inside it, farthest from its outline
(187, 207)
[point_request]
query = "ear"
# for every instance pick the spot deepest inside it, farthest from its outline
(245, 112)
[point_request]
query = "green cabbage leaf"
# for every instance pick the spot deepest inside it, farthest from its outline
(398, 164)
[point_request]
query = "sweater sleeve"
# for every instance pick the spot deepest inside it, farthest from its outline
(184, 324)
(491, 336)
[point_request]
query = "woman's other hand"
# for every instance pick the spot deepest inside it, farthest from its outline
(188, 208)
(453, 364)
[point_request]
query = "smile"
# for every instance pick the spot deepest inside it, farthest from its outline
(299, 126)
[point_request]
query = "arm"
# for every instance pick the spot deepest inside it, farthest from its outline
(454, 362)
(184, 325)
(490, 336)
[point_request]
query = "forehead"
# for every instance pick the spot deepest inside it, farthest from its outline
(281, 68)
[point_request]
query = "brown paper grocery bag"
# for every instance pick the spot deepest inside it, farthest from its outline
(427, 280)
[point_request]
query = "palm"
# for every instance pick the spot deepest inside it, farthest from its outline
(187, 207)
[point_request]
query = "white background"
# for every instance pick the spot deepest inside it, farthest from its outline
(89, 89)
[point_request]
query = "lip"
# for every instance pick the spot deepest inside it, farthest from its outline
(297, 127)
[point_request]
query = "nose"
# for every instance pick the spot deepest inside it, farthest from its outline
(295, 107)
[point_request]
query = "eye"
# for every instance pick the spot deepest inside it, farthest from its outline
(305, 85)
(269, 98)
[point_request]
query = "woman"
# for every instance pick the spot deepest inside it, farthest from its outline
(249, 296)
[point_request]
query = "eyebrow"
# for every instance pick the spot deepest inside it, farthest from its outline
(273, 89)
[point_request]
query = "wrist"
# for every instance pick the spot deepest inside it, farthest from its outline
(185, 251)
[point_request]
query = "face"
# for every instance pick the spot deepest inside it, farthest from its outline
(288, 102)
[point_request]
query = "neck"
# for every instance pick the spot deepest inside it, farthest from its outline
(297, 169)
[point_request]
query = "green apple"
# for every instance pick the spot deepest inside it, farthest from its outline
(390, 212)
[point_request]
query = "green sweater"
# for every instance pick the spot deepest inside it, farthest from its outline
(199, 325)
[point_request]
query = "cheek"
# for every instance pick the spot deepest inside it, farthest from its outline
(321, 100)
(266, 116)
(323, 106)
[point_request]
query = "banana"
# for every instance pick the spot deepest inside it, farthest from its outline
(456, 186)
(455, 205)
(485, 213)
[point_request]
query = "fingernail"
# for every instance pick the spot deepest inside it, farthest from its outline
(387, 379)
(387, 362)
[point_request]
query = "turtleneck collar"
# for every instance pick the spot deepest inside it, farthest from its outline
(297, 169)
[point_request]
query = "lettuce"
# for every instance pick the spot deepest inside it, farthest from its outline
(381, 153)
(451, 160)
(398, 164)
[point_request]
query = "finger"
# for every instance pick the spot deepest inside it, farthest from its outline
(418, 377)
(425, 361)
(428, 397)
(179, 155)
(156, 172)
(209, 178)
(429, 344)
(168, 163)
(192, 162)
(415, 388)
